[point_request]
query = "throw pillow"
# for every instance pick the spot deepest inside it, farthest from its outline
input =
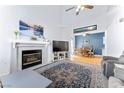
(119, 71)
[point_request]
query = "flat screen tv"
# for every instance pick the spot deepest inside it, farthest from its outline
(59, 46)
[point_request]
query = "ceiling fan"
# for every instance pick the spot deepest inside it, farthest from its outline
(80, 7)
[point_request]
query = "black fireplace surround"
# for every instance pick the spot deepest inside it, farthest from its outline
(31, 58)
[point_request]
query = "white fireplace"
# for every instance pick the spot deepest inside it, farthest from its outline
(28, 55)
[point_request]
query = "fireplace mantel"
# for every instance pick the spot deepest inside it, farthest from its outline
(16, 43)
(23, 45)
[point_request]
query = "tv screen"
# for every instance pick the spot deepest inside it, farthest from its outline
(60, 46)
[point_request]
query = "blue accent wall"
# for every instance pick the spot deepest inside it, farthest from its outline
(96, 41)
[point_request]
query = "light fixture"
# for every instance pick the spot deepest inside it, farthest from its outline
(90, 28)
(78, 7)
(82, 8)
(84, 34)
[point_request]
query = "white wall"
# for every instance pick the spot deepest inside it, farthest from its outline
(47, 16)
(115, 34)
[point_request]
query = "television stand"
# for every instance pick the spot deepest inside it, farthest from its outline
(60, 55)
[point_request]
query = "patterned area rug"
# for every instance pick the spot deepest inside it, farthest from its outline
(91, 73)
(69, 75)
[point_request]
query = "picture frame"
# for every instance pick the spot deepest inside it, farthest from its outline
(86, 42)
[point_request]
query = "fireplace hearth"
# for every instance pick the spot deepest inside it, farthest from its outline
(31, 58)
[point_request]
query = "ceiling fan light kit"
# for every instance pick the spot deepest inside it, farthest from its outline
(80, 7)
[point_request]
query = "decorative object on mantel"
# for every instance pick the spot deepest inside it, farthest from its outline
(33, 38)
(17, 33)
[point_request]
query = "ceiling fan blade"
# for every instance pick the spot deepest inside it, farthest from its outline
(69, 9)
(78, 11)
(88, 6)
(80, 7)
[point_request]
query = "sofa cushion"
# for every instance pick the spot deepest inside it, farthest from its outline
(115, 83)
(119, 71)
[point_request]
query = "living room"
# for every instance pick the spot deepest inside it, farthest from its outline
(57, 43)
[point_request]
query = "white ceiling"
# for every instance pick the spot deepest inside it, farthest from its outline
(98, 10)
(86, 16)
